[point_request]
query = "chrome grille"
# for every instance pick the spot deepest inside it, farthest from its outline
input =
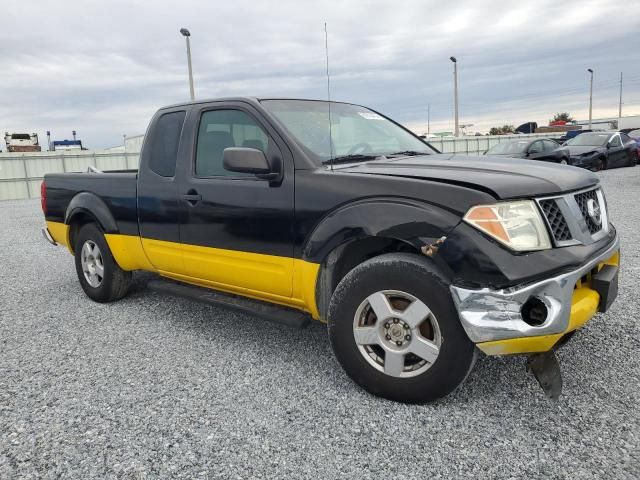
(556, 221)
(581, 200)
(567, 217)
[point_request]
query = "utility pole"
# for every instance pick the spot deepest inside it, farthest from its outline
(428, 119)
(455, 93)
(620, 103)
(590, 96)
(186, 34)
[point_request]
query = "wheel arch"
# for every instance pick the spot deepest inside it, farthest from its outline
(366, 229)
(85, 208)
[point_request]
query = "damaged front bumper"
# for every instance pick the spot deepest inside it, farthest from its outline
(493, 319)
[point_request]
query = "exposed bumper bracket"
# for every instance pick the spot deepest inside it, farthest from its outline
(546, 369)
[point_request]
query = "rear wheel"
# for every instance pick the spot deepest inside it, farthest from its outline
(395, 331)
(100, 276)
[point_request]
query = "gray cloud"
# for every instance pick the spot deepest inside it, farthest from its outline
(102, 68)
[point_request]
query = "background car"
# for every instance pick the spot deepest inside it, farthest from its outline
(601, 150)
(543, 149)
(634, 134)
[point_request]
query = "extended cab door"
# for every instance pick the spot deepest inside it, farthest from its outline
(236, 229)
(158, 204)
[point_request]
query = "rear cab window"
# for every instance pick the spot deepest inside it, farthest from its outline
(164, 144)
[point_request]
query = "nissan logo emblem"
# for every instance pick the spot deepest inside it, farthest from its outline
(593, 209)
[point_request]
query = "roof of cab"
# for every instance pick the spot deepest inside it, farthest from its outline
(252, 100)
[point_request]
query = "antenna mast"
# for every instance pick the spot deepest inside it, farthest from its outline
(326, 51)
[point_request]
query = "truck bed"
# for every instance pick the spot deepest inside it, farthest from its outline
(117, 190)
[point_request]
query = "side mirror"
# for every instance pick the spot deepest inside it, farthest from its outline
(247, 160)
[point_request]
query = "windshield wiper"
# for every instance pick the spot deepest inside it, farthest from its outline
(408, 153)
(356, 157)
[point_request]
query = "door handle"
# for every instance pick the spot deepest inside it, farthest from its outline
(192, 197)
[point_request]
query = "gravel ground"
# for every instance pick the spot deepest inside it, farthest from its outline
(158, 387)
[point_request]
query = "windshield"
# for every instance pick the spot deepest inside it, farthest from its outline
(508, 148)
(589, 139)
(355, 130)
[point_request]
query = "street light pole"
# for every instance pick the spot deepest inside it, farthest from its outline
(620, 103)
(455, 93)
(186, 34)
(590, 96)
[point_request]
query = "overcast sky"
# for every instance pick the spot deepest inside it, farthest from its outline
(103, 67)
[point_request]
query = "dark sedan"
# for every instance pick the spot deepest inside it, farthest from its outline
(543, 149)
(601, 150)
(634, 134)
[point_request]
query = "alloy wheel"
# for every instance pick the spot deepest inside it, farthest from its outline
(92, 263)
(397, 333)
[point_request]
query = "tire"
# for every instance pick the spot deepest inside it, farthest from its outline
(396, 275)
(633, 160)
(114, 282)
(564, 161)
(601, 164)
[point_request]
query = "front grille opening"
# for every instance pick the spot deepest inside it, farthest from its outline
(556, 221)
(582, 200)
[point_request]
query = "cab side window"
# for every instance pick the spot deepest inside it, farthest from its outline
(536, 147)
(615, 141)
(164, 144)
(550, 146)
(220, 129)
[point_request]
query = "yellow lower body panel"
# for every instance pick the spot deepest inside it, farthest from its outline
(128, 252)
(256, 272)
(282, 280)
(59, 232)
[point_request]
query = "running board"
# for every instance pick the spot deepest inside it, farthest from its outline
(275, 313)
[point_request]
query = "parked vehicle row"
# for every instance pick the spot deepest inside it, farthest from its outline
(591, 150)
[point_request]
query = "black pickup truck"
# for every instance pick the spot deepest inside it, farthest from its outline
(298, 209)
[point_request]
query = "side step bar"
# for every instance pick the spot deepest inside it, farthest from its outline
(275, 313)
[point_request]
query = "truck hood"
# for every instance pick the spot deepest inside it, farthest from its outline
(501, 177)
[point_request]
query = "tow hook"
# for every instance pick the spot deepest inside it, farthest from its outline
(546, 369)
(431, 249)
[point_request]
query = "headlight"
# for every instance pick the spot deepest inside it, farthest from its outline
(518, 225)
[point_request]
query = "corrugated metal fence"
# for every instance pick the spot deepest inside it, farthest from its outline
(21, 173)
(480, 144)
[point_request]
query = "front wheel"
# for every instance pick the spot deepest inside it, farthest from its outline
(395, 331)
(100, 276)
